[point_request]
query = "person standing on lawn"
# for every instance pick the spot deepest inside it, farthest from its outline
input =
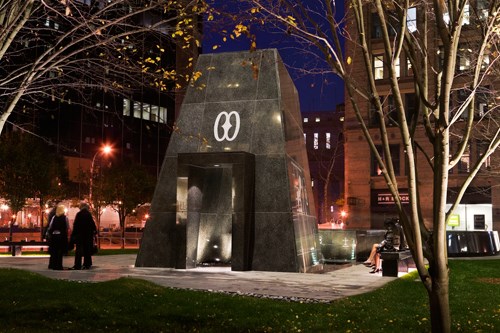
(57, 235)
(84, 231)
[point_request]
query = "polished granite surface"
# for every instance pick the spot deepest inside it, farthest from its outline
(235, 184)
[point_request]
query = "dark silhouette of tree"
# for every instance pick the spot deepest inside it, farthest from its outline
(29, 168)
(124, 186)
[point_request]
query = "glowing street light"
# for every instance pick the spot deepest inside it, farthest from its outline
(343, 214)
(104, 150)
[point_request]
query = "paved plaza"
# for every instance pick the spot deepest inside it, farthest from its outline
(346, 281)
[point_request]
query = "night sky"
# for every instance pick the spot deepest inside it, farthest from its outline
(317, 92)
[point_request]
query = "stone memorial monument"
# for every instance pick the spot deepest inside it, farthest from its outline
(235, 186)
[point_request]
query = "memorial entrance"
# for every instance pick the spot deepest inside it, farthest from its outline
(215, 203)
(234, 187)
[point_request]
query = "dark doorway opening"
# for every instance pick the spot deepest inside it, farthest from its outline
(215, 195)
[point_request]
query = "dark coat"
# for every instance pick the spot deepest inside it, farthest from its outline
(52, 213)
(84, 228)
(58, 229)
(58, 241)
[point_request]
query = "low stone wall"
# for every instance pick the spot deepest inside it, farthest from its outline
(339, 245)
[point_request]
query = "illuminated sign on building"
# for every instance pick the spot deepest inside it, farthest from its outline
(388, 199)
(454, 220)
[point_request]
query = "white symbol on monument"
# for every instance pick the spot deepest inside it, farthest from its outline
(227, 126)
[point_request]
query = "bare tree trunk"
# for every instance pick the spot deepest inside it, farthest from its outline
(325, 197)
(327, 181)
(439, 301)
(123, 236)
(122, 217)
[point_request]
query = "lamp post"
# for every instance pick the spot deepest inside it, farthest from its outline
(105, 150)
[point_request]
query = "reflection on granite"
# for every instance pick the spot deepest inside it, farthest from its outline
(339, 245)
(239, 143)
(472, 243)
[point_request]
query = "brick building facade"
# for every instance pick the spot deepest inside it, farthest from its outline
(368, 199)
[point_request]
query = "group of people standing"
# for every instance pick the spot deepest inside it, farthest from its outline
(81, 237)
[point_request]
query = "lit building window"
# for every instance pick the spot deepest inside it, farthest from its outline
(137, 110)
(409, 68)
(397, 67)
(464, 162)
(328, 142)
(486, 62)
(317, 119)
(163, 115)
(316, 141)
(146, 111)
(466, 14)
(378, 67)
(154, 113)
(482, 9)
(466, 17)
(305, 138)
(464, 58)
(126, 107)
(440, 57)
(306, 120)
(411, 19)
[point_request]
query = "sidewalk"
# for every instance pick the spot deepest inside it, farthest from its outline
(325, 287)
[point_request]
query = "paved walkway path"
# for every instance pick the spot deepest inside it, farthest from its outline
(348, 281)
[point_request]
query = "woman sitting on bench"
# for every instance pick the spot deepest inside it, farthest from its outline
(391, 242)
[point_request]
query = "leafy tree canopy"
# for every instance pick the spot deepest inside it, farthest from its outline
(29, 168)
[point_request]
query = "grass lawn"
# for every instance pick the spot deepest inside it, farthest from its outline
(32, 303)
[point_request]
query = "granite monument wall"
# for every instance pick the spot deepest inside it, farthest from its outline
(235, 183)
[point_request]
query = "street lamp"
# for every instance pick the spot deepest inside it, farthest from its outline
(105, 150)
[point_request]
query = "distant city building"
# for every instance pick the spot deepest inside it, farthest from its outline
(138, 124)
(323, 135)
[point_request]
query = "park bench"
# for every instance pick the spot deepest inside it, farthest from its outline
(16, 248)
(394, 262)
